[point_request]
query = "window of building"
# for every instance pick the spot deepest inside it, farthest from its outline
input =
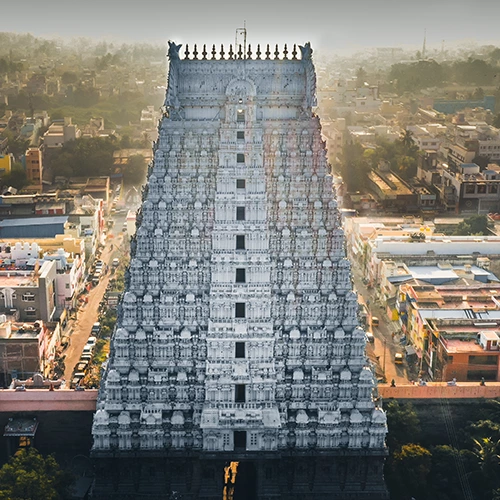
(240, 242)
(226, 439)
(483, 360)
(240, 440)
(240, 116)
(240, 158)
(481, 188)
(28, 297)
(479, 374)
(470, 188)
(240, 310)
(30, 312)
(240, 393)
(240, 135)
(493, 188)
(240, 213)
(240, 275)
(239, 350)
(253, 439)
(241, 183)
(24, 442)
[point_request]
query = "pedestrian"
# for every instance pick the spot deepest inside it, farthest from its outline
(393, 383)
(482, 381)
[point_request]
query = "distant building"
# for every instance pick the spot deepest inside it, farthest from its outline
(6, 161)
(452, 106)
(30, 292)
(25, 349)
(37, 227)
(60, 132)
(34, 168)
(453, 329)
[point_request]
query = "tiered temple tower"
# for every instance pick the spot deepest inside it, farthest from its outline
(238, 338)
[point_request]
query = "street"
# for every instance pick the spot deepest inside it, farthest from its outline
(386, 344)
(88, 312)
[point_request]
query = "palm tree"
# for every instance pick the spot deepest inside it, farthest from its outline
(486, 452)
(406, 138)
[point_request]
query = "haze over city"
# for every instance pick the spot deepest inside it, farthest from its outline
(336, 25)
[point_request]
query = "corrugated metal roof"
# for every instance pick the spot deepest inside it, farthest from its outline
(34, 221)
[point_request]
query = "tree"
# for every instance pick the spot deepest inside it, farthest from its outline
(354, 166)
(360, 77)
(403, 424)
(475, 225)
(30, 476)
(16, 178)
(134, 171)
(410, 469)
(69, 77)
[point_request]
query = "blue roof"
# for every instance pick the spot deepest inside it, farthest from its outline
(34, 221)
(33, 227)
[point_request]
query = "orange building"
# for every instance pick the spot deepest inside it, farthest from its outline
(34, 168)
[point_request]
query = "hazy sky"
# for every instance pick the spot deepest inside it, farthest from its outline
(329, 24)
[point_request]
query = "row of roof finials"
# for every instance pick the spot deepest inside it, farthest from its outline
(242, 53)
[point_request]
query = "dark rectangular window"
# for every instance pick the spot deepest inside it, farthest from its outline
(241, 184)
(240, 440)
(240, 134)
(240, 158)
(240, 393)
(240, 242)
(240, 213)
(239, 350)
(240, 116)
(241, 275)
(240, 310)
(483, 360)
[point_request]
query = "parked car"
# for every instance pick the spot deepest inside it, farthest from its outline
(370, 337)
(91, 341)
(115, 262)
(77, 377)
(398, 358)
(86, 356)
(375, 321)
(96, 328)
(82, 366)
(87, 349)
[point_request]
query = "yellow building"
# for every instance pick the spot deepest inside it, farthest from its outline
(6, 162)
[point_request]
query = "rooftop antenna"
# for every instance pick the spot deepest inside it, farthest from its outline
(239, 32)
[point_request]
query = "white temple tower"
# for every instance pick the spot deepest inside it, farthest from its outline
(238, 338)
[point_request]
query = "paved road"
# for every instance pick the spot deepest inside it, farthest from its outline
(88, 314)
(386, 344)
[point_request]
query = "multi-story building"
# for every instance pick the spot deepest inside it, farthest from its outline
(237, 346)
(453, 329)
(25, 349)
(34, 168)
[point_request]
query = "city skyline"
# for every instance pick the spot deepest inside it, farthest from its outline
(337, 26)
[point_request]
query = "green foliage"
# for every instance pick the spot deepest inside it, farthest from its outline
(416, 76)
(30, 476)
(16, 177)
(134, 171)
(411, 467)
(475, 225)
(403, 424)
(8, 67)
(85, 157)
(354, 167)
(69, 77)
